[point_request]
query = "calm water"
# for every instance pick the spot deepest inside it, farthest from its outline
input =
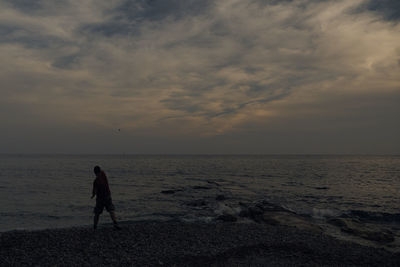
(54, 191)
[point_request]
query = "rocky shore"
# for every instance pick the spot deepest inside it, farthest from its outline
(174, 243)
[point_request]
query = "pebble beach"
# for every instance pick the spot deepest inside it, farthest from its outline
(203, 211)
(186, 244)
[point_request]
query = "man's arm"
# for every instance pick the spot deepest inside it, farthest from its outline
(108, 188)
(93, 190)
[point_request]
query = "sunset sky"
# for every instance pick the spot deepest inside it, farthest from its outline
(196, 76)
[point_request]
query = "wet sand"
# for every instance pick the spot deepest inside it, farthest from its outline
(186, 244)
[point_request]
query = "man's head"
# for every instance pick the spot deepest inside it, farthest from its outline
(97, 170)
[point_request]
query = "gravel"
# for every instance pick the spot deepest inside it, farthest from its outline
(185, 244)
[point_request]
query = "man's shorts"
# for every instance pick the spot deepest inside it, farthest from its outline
(103, 202)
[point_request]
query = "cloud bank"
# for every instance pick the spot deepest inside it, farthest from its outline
(227, 76)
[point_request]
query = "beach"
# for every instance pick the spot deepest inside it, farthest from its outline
(186, 244)
(202, 211)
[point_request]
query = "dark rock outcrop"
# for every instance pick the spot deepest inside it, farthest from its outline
(200, 187)
(227, 218)
(168, 192)
(368, 232)
(220, 197)
(197, 203)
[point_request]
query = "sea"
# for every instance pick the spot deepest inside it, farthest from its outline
(53, 191)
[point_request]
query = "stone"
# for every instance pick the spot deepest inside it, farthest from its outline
(290, 219)
(383, 237)
(220, 197)
(168, 192)
(201, 187)
(212, 182)
(267, 206)
(197, 203)
(227, 218)
(337, 222)
(254, 211)
(244, 213)
(354, 227)
(269, 220)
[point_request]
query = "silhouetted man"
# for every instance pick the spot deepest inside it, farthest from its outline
(103, 197)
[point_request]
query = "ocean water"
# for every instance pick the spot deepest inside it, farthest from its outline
(50, 191)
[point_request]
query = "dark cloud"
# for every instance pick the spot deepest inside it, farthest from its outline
(183, 104)
(156, 10)
(27, 6)
(127, 17)
(389, 9)
(257, 101)
(6, 30)
(66, 62)
(28, 39)
(111, 28)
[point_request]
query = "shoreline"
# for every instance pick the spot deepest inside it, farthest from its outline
(169, 243)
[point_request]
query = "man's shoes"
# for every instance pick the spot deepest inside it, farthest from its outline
(116, 227)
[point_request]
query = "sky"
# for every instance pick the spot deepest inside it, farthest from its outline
(200, 77)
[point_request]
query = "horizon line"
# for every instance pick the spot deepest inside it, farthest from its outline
(196, 154)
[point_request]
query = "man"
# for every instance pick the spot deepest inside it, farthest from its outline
(103, 197)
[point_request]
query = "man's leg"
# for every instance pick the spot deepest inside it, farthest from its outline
(95, 220)
(111, 209)
(114, 219)
(98, 209)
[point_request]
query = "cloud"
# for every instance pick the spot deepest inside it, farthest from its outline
(198, 68)
(388, 9)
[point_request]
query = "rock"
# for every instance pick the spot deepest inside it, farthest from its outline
(212, 182)
(337, 222)
(244, 213)
(374, 216)
(220, 198)
(201, 187)
(382, 237)
(267, 206)
(254, 211)
(290, 219)
(354, 227)
(168, 192)
(227, 218)
(269, 220)
(197, 203)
